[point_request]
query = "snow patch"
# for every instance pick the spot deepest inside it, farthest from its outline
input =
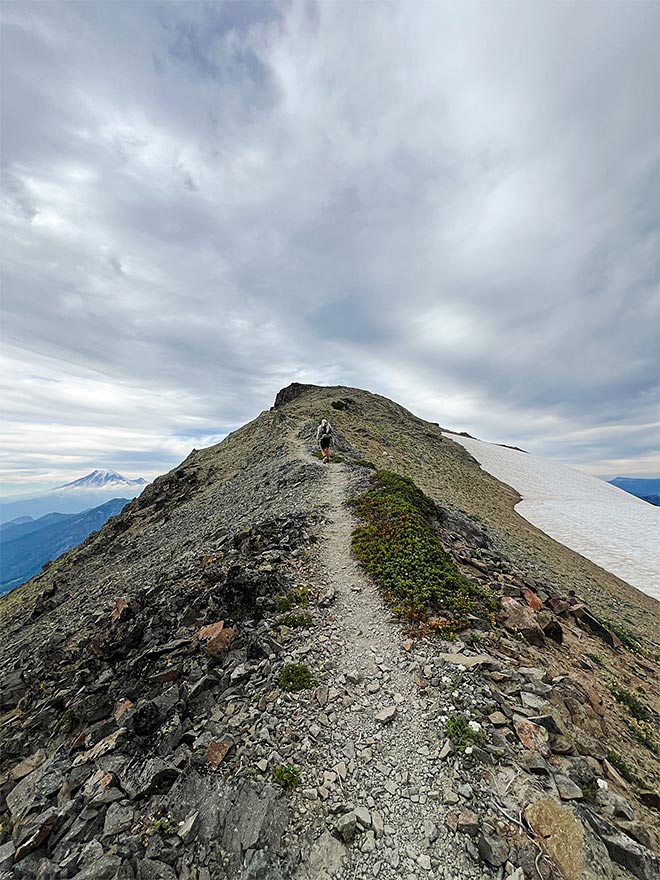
(607, 525)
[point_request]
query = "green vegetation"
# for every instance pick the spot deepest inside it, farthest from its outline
(627, 772)
(6, 825)
(590, 790)
(287, 775)
(300, 596)
(365, 464)
(164, 825)
(634, 705)
(399, 549)
(302, 619)
(65, 723)
(283, 603)
(628, 639)
(461, 734)
(644, 733)
(296, 677)
(595, 658)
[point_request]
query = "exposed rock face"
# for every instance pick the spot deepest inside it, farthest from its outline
(145, 730)
(286, 395)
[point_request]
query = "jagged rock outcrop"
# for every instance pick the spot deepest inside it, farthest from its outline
(211, 687)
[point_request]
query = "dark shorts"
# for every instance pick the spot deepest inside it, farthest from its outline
(325, 443)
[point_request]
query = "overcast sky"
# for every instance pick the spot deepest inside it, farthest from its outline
(452, 204)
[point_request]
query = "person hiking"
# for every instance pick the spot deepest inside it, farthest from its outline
(324, 438)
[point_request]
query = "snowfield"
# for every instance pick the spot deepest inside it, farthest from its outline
(615, 530)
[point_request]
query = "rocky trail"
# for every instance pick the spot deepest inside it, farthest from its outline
(211, 688)
(396, 778)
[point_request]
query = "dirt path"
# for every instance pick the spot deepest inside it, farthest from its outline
(397, 775)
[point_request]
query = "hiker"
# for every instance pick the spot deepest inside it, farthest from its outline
(324, 437)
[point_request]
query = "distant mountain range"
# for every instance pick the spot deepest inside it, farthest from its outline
(92, 490)
(26, 544)
(647, 490)
(102, 480)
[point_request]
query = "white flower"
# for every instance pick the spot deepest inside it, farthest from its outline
(468, 750)
(446, 679)
(454, 694)
(460, 668)
(474, 725)
(602, 784)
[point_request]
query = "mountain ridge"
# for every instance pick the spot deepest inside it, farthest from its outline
(28, 546)
(162, 657)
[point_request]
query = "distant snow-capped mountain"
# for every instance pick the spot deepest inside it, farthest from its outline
(92, 490)
(101, 480)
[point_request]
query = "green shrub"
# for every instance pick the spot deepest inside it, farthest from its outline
(283, 603)
(366, 464)
(625, 635)
(461, 734)
(300, 596)
(644, 733)
(635, 706)
(595, 658)
(65, 723)
(627, 772)
(287, 775)
(164, 825)
(296, 620)
(296, 677)
(399, 549)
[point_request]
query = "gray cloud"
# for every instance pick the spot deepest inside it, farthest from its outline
(452, 204)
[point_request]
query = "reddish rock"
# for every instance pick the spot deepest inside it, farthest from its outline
(97, 783)
(166, 676)
(532, 737)
(43, 825)
(218, 646)
(558, 605)
(217, 752)
(124, 609)
(520, 619)
(18, 771)
(468, 823)
(532, 599)
(451, 820)
(122, 709)
(120, 609)
(210, 631)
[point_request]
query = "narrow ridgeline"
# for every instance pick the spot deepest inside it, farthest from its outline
(266, 668)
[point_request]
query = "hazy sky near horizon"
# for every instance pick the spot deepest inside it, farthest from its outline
(452, 204)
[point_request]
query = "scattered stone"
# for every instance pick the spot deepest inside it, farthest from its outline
(363, 817)
(346, 825)
(567, 789)
(386, 715)
(468, 823)
(492, 849)
(532, 737)
(216, 752)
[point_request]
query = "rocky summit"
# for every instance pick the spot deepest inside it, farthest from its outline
(266, 667)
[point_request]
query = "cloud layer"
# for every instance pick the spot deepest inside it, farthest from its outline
(455, 205)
